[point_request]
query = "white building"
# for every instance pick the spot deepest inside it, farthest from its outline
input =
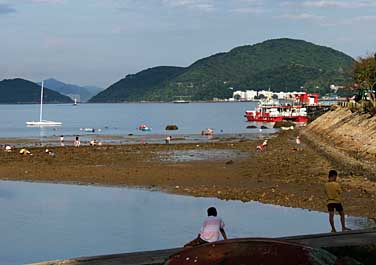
(244, 95)
(252, 94)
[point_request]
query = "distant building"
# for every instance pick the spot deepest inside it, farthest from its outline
(253, 94)
(244, 95)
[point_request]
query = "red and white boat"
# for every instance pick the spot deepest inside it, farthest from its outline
(274, 112)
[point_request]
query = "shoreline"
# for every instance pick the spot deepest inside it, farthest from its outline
(131, 139)
(280, 176)
(161, 102)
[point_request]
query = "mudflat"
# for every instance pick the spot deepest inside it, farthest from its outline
(284, 174)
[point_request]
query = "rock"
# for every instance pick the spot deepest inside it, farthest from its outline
(280, 124)
(251, 127)
(334, 107)
(171, 127)
(230, 162)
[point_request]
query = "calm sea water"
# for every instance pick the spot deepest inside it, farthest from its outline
(42, 222)
(123, 119)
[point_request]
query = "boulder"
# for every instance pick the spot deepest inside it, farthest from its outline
(334, 107)
(280, 124)
(171, 127)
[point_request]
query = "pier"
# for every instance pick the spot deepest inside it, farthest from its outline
(360, 244)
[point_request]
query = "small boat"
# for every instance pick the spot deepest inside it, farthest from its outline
(89, 129)
(180, 101)
(75, 102)
(144, 128)
(41, 122)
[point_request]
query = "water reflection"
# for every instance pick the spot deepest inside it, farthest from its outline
(201, 155)
(48, 221)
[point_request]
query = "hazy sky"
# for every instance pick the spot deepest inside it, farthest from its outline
(98, 42)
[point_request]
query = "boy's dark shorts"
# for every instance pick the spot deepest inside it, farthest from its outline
(337, 206)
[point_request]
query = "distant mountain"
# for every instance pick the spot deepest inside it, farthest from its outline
(93, 90)
(279, 64)
(81, 93)
(23, 91)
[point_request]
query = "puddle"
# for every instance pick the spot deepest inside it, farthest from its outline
(201, 155)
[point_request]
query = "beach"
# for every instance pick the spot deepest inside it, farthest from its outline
(229, 168)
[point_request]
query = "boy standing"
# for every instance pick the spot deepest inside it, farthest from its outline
(77, 142)
(333, 192)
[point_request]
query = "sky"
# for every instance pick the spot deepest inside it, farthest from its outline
(98, 42)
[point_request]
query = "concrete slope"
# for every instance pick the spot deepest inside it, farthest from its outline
(349, 138)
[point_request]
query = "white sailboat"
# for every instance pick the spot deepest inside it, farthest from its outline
(41, 122)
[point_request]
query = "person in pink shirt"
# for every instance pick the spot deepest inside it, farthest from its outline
(210, 231)
(298, 140)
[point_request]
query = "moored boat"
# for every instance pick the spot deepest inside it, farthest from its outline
(41, 122)
(180, 101)
(273, 111)
(277, 113)
(144, 128)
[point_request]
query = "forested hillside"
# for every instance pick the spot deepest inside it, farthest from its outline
(23, 91)
(139, 86)
(280, 64)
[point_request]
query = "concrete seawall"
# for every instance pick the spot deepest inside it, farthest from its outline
(347, 137)
(360, 245)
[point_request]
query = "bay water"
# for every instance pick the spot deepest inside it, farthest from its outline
(41, 222)
(124, 119)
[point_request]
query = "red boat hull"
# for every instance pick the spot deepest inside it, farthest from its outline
(253, 251)
(264, 117)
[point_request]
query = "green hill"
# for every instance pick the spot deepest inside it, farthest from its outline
(139, 86)
(23, 91)
(280, 64)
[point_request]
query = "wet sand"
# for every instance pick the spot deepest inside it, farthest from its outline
(227, 168)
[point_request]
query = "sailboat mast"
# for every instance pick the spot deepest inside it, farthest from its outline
(41, 102)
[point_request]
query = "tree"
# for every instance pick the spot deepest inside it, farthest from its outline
(260, 96)
(364, 72)
(237, 97)
(365, 77)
